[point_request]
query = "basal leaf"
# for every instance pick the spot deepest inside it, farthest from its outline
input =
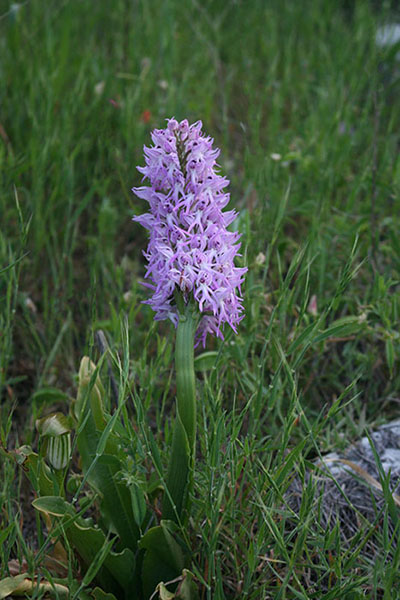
(187, 589)
(117, 570)
(178, 474)
(116, 501)
(163, 560)
(49, 395)
(98, 594)
(54, 506)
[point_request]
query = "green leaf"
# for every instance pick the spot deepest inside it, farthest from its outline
(163, 560)
(117, 569)
(53, 505)
(98, 594)
(160, 540)
(187, 590)
(49, 395)
(116, 501)
(138, 503)
(205, 361)
(178, 478)
(97, 562)
(38, 472)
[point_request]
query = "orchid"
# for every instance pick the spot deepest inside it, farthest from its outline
(190, 249)
(192, 273)
(135, 546)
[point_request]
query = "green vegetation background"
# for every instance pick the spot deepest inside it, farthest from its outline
(304, 107)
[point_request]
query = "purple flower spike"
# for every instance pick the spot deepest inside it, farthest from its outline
(190, 247)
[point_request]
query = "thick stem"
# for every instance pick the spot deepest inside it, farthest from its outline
(185, 380)
(181, 462)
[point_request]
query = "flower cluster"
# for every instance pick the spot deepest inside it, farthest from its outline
(190, 247)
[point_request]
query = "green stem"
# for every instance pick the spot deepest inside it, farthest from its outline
(185, 380)
(179, 476)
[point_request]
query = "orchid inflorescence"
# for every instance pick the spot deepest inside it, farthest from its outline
(190, 249)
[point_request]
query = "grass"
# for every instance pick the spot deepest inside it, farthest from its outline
(303, 105)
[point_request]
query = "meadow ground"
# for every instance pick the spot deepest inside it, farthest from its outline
(304, 106)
